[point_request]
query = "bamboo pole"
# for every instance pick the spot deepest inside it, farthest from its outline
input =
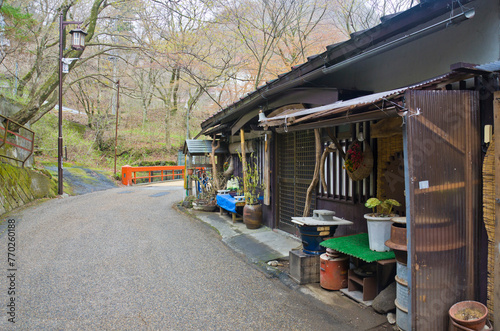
(496, 286)
(243, 160)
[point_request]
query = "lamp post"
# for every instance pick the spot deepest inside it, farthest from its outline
(77, 43)
(117, 108)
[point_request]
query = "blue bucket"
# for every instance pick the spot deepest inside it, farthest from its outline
(312, 236)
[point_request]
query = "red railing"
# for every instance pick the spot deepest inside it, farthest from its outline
(130, 174)
(4, 139)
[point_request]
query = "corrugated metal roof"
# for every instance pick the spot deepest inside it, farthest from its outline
(343, 106)
(201, 147)
(366, 99)
(493, 66)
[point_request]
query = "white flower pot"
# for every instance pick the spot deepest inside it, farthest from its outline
(379, 231)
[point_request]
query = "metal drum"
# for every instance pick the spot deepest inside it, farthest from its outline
(333, 272)
(402, 296)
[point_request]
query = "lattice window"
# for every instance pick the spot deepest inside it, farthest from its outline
(339, 186)
(296, 162)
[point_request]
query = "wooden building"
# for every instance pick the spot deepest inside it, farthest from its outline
(418, 91)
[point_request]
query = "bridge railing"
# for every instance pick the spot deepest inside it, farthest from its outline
(130, 175)
(17, 136)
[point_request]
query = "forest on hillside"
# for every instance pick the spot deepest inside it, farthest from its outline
(174, 62)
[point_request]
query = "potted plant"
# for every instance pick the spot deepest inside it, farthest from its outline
(379, 223)
(207, 192)
(252, 212)
(233, 186)
(468, 315)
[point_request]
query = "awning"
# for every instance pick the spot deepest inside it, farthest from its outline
(202, 147)
(365, 108)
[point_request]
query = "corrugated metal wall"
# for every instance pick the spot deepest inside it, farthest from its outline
(443, 143)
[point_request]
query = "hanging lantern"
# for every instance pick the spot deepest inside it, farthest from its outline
(78, 39)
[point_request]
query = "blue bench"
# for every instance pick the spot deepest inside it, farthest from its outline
(230, 204)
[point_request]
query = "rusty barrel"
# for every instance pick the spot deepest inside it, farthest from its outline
(333, 272)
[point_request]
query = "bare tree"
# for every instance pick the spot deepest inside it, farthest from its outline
(41, 93)
(259, 25)
(355, 15)
(300, 36)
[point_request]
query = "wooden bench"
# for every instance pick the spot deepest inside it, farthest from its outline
(226, 202)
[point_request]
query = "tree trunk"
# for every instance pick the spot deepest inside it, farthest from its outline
(214, 165)
(314, 182)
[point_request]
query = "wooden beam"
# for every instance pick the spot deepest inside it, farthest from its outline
(332, 136)
(496, 273)
(387, 127)
(249, 136)
(244, 120)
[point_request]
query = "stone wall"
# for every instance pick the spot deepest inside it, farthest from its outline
(18, 186)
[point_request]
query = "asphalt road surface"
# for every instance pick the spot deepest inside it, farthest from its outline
(125, 259)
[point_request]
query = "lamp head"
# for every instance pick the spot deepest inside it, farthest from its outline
(78, 39)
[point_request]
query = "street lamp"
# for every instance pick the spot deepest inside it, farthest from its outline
(78, 39)
(77, 43)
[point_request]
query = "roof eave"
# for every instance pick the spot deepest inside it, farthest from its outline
(391, 27)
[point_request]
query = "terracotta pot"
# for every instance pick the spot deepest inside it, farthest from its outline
(252, 216)
(473, 324)
(397, 242)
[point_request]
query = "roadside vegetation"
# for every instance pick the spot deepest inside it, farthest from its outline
(164, 66)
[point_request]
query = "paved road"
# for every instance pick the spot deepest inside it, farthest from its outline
(124, 259)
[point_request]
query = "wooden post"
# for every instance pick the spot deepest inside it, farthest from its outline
(214, 166)
(243, 160)
(267, 174)
(469, 197)
(496, 273)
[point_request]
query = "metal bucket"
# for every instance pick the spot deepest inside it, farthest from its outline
(333, 272)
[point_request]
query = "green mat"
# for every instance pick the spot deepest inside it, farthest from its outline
(357, 246)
